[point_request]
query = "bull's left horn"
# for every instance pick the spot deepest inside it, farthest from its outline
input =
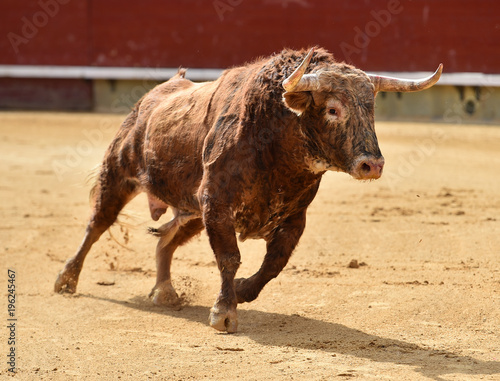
(382, 83)
(298, 81)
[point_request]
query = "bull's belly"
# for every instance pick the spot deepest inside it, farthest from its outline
(259, 217)
(259, 222)
(173, 182)
(247, 232)
(176, 190)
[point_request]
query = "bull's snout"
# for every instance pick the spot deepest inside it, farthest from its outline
(368, 168)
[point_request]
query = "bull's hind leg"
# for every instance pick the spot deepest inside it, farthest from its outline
(279, 250)
(172, 235)
(111, 194)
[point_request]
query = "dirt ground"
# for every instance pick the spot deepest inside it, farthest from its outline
(423, 303)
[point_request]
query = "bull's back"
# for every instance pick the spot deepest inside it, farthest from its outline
(175, 126)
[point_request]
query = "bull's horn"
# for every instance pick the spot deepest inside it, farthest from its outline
(382, 83)
(298, 81)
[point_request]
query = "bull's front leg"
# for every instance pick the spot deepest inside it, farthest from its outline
(219, 224)
(279, 249)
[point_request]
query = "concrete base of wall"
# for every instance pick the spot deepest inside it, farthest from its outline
(450, 104)
(119, 96)
(46, 94)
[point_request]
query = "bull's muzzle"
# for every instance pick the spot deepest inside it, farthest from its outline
(368, 168)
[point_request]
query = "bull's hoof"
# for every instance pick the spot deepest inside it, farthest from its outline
(164, 294)
(65, 283)
(223, 320)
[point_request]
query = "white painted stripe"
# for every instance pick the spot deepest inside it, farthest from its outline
(94, 72)
(162, 74)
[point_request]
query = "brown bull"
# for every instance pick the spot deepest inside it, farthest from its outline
(239, 155)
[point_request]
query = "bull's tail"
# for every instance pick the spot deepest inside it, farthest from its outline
(155, 232)
(93, 177)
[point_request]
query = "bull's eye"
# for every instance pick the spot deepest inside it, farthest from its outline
(334, 111)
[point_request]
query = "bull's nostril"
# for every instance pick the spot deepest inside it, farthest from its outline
(368, 168)
(365, 168)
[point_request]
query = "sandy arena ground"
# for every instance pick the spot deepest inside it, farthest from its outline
(424, 304)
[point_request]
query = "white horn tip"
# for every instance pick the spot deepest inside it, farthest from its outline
(439, 69)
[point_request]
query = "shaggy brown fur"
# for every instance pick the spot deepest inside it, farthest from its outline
(236, 155)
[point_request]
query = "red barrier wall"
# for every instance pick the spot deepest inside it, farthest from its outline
(375, 35)
(388, 35)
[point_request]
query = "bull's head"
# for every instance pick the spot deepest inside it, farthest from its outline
(336, 108)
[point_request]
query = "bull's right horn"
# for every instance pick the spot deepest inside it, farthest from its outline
(298, 81)
(382, 83)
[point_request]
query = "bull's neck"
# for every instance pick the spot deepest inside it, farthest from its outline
(290, 154)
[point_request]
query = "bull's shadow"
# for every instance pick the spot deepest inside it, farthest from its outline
(274, 329)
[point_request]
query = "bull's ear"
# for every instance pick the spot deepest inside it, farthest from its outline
(298, 102)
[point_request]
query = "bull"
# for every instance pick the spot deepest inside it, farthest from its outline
(240, 155)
